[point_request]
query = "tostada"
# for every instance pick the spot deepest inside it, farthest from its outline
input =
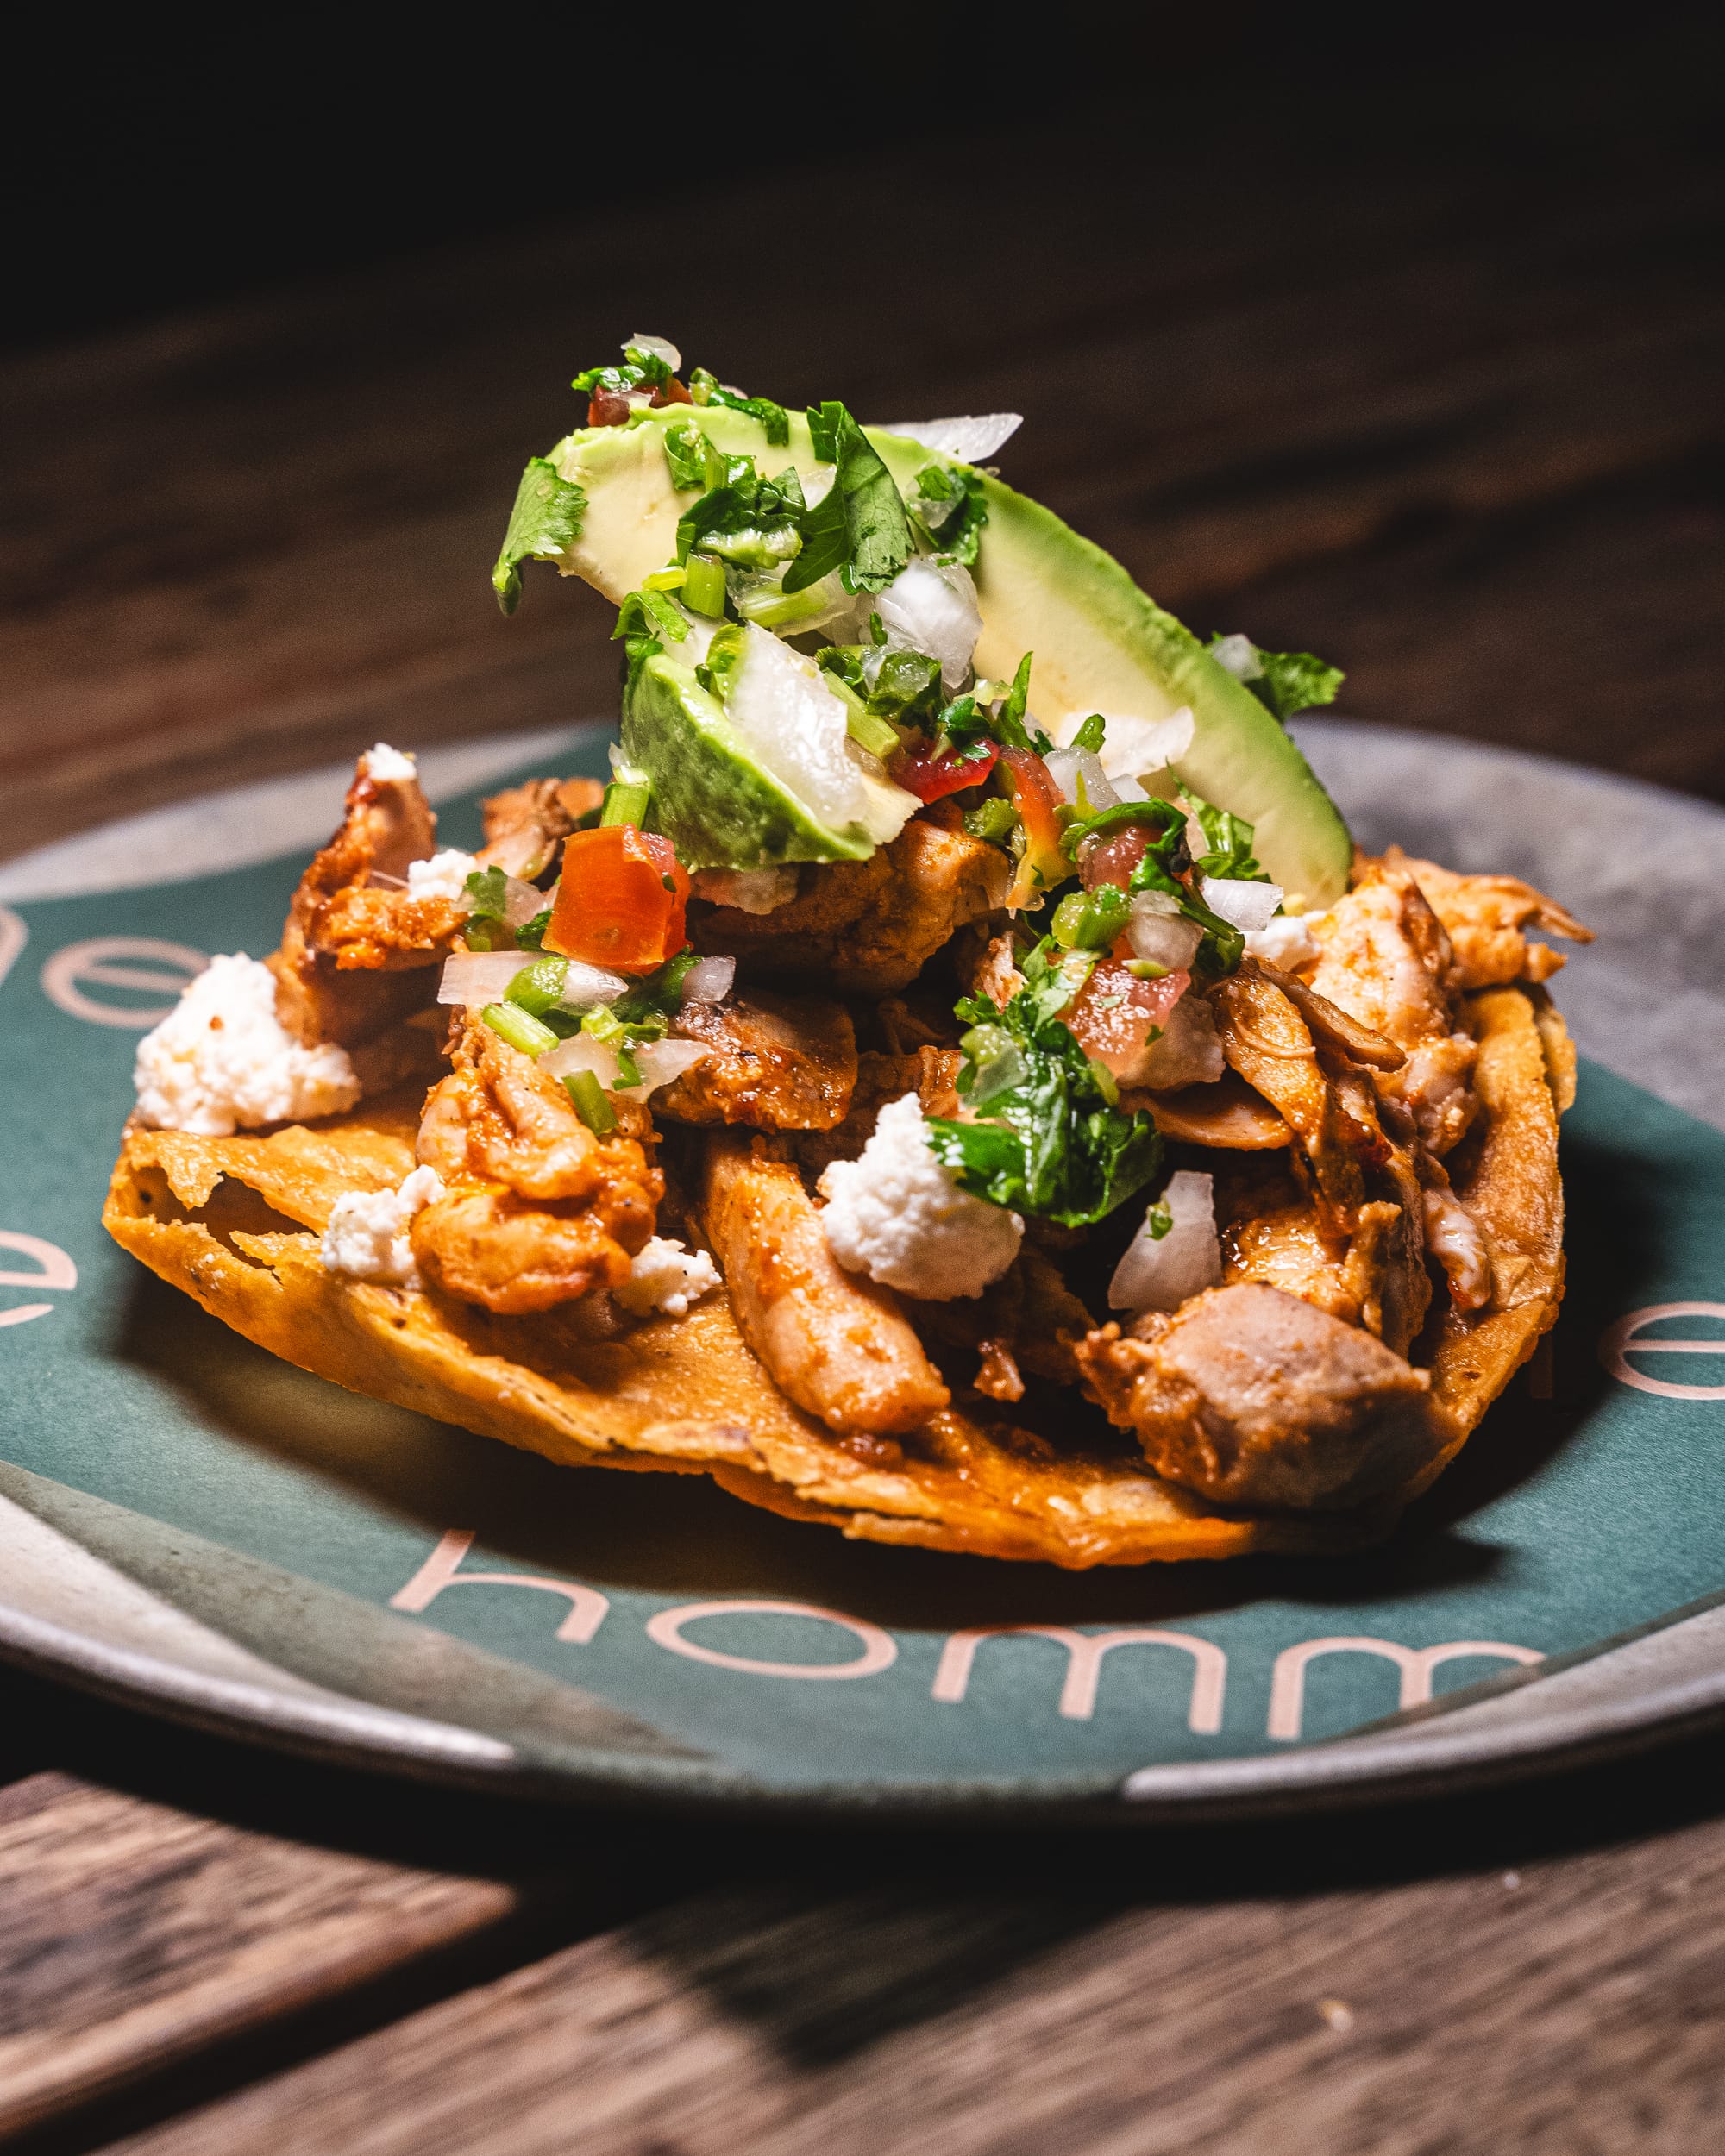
(958, 1081)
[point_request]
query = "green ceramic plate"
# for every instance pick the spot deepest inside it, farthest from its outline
(190, 1525)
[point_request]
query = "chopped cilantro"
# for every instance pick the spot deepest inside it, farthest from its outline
(1008, 727)
(948, 506)
(546, 518)
(1229, 852)
(860, 525)
(684, 444)
(1165, 860)
(1052, 1141)
(1284, 682)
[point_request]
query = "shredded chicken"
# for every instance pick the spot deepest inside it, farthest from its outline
(523, 826)
(1387, 960)
(537, 1210)
(834, 1342)
(870, 926)
(778, 1063)
(1485, 918)
(1255, 1397)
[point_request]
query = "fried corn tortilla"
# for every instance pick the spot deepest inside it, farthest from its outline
(235, 1222)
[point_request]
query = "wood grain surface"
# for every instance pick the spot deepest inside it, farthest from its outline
(1552, 2008)
(1455, 426)
(1454, 423)
(135, 1934)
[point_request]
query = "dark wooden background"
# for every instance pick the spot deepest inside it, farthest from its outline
(1426, 381)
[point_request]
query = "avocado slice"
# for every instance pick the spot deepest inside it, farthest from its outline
(1100, 645)
(711, 798)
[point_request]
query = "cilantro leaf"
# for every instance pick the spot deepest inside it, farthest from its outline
(862, 506)
(1162, 866)
(684, 452)
(1052, 1141)
(546, 518)
(1284, 682)
(949, 507)
(1229, 852)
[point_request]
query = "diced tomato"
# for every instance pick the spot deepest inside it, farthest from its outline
(1037, 799)
(621, 900)
(1114, 1013)
(1112, 860)
(611, 408)
(929, 777)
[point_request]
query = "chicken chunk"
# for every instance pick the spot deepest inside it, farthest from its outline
(1255, 1397)
(1486, 918)
(777, 1062)
(835, 1343)
(358, 957)
(523, 824)
(870, 926)
(537, 1211)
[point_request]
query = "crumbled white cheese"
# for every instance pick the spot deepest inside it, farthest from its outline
(897, 1215)
(222, 1060)
(1287, 942)
(443, 877)
(368, 1237)
(384, 763)
(663, 1275)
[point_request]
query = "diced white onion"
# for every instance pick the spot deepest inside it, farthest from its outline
(522, 902)
(1067, 767)
(1288, 942)
(1164, 939)
(931, 607)
(747, 890)
(709, 979)
(793, 725)
(1161, 1275)
(478, 977)
(585, 988)
(1137, 748)
(1245, 905)
(659, 1063)
(975, 438)
(1239, 655)
(660, 347)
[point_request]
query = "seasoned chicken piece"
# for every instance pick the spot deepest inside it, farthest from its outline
(1255, 1397)
(835, 1343)
(1029, 1319)
(1228, 1115)
(996, 973)
(931, 1073)
(869, 926)
(537, 1211)
(357, 958)
(523, 824)
(1485, 918)
(1272, 1231)
(1269, 1044)
(1387, 960)
(778, 1062)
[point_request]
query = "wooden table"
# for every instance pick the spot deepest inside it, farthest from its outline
(1456, 429)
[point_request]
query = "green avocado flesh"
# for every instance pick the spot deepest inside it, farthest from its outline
(1100, 645)
(715, 803)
